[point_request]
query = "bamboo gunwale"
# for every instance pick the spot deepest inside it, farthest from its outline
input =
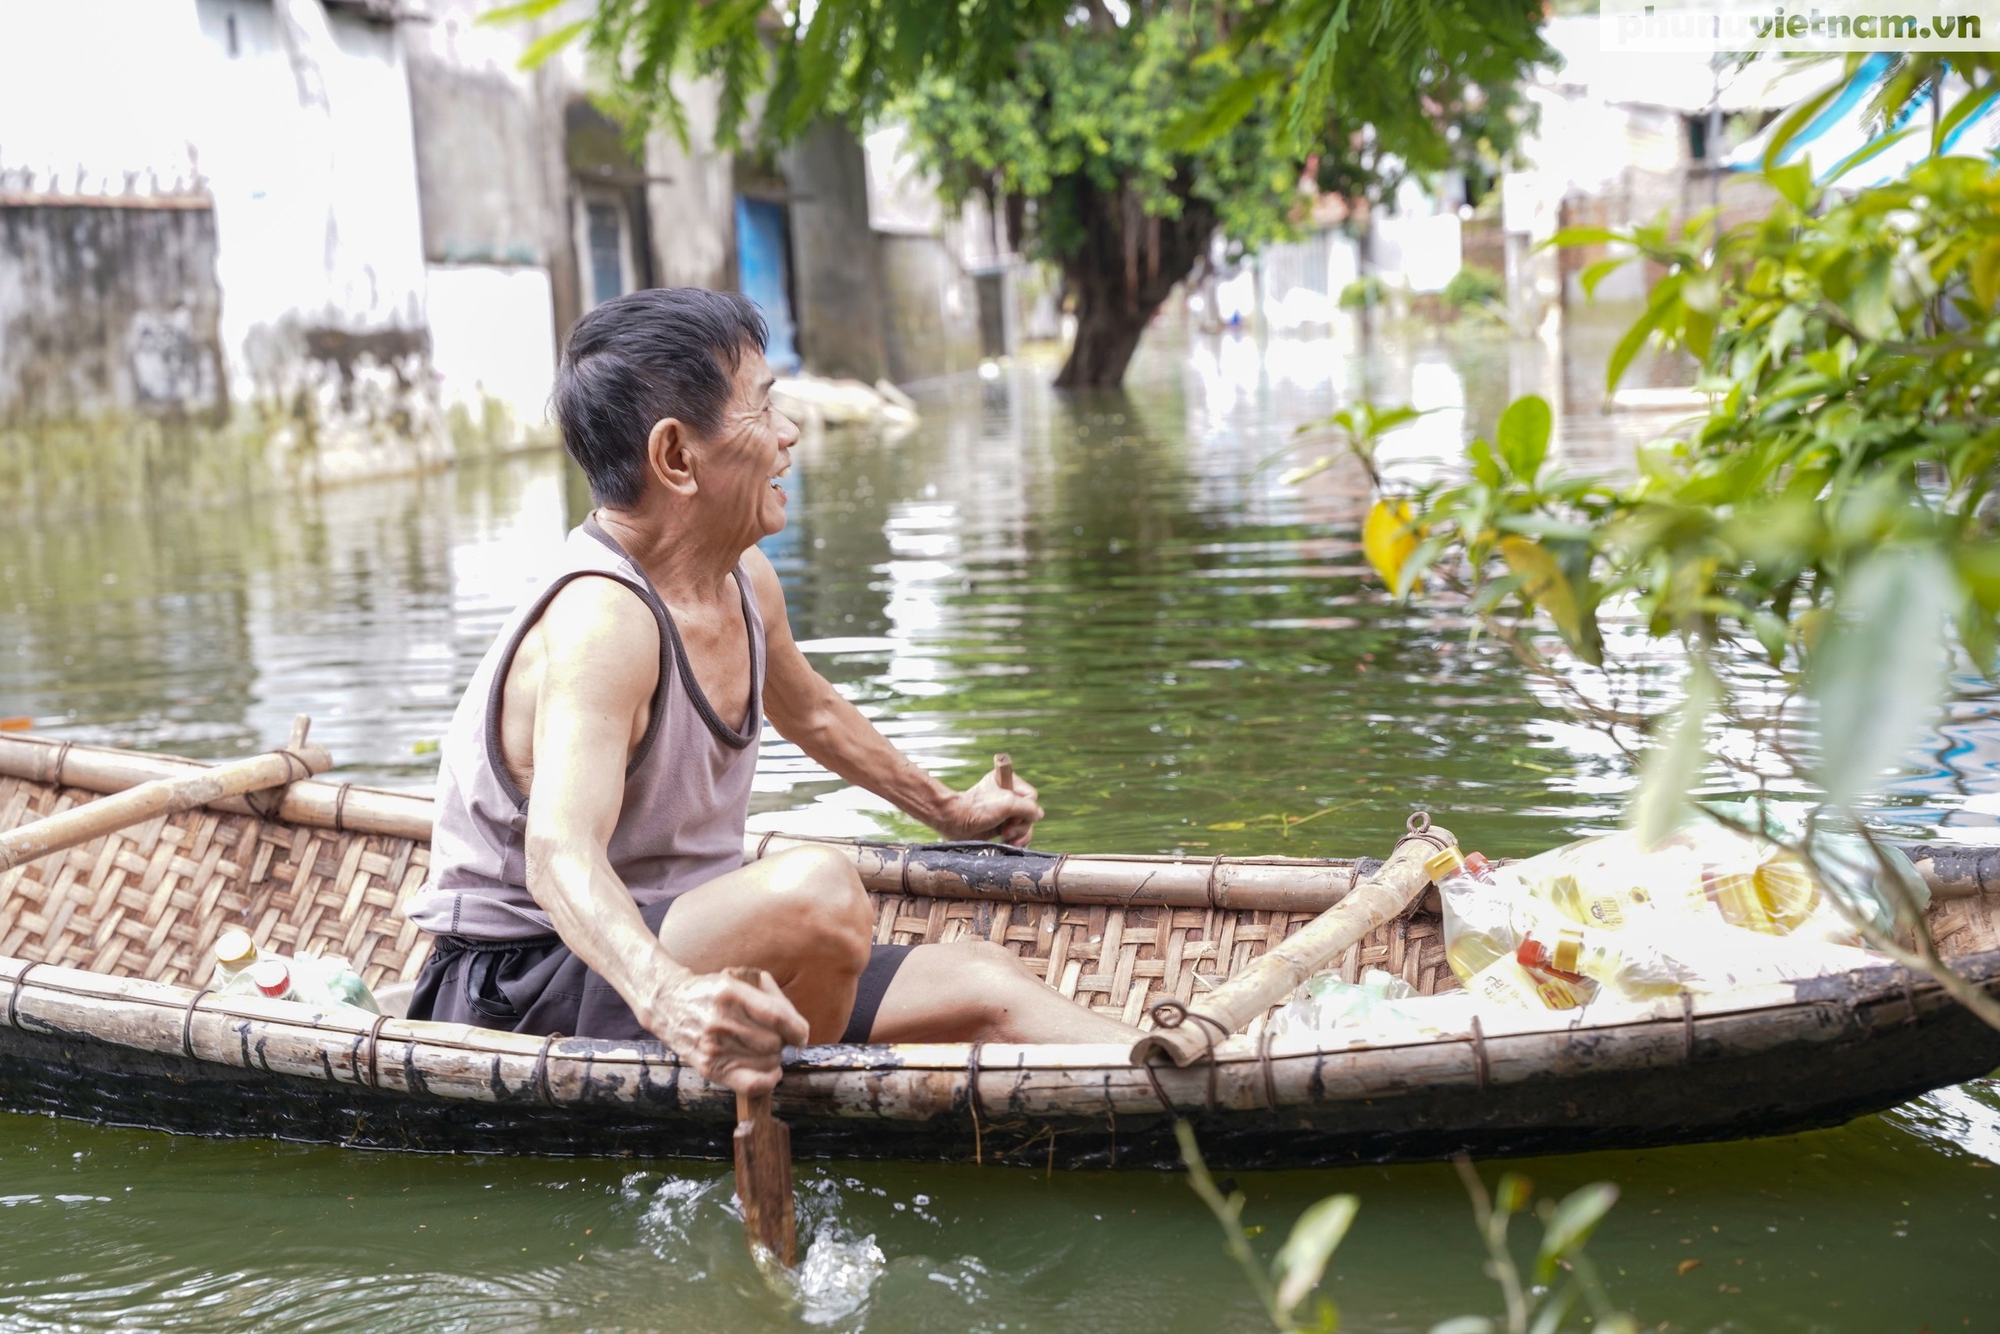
(160, 797)
(1265, 883)
(316, 803)
(913, 1082)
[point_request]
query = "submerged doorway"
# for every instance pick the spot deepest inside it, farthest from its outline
(763, 274)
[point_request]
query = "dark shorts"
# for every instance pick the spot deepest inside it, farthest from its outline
(538, 986)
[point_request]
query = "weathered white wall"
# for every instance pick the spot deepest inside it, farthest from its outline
(495, 195)
(301, 136)
(691, 198)
(930, 300)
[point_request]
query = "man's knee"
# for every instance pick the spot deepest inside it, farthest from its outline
(984, 961)
(818, 891)
(989, 978)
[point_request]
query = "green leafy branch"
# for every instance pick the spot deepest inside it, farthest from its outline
(1295, 1271)
(1300, 1263)
(1824, 535)
(1566, 1226)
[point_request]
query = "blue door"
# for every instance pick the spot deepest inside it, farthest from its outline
(761, 275)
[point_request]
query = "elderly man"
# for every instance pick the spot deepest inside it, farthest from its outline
(586, 871)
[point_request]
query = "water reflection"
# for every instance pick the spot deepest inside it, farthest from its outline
(1180, 650)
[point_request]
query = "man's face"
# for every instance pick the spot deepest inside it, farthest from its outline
(750, 450)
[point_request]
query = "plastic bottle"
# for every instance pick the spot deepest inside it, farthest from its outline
(235, 954)
(1477, 925)
(242, 969)
(332, 978)
(272, 978)
(1487, 916)
(1508, 984)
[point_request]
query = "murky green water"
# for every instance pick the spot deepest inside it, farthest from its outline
(1179, 651)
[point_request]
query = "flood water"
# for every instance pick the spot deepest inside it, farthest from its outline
(1177, 649)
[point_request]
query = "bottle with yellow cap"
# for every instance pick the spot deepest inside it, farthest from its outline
(235, 955)
(1477, 923)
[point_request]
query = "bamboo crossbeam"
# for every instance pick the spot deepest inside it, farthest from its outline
(308, 802)
(1284, 968)
(163, 796)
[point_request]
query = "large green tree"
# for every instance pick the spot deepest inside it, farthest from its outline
(1119, 139)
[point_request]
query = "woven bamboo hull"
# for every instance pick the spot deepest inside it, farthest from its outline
(96, 946)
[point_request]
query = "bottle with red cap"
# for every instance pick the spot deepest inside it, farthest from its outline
(1477, 927)
(273, 978)
(1486, 921)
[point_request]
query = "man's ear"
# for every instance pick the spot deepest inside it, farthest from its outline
(669, 456)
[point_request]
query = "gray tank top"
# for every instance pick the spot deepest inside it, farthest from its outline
(687, 787)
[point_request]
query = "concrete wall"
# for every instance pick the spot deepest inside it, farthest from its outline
(500, 275)
(927, 258)
(110, 311)
(479, 177)
(836, 269)
(691, 197)
(493, 346)
(931, 309)
(295, 121)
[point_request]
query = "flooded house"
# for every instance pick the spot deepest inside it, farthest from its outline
(300, 241)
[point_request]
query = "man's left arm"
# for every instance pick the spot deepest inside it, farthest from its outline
(812, 715)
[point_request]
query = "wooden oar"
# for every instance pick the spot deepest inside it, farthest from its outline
(1188, 1033)
(764, 1167)
(165, 796)
(1003, 771)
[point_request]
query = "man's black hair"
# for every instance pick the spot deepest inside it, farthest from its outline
(641, 357)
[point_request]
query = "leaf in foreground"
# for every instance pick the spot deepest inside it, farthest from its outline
(1674, 764)
(1570, 1226)
(1879, 673)
(1303, 1258)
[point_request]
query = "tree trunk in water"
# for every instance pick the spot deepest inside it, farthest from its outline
(1121, 269)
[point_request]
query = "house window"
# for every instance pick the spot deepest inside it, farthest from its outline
(604, 226)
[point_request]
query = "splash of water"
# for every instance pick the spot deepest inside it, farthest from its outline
(836, 1276)
(695, 1225)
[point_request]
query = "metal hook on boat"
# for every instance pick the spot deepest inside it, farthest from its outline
(1419, 826)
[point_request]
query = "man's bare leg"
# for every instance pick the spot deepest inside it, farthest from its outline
(975, 991)
(801, 916)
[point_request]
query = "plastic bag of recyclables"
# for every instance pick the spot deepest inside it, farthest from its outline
(1381, 1002)
(1707, 909)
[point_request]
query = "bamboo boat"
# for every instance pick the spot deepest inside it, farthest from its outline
(103, 951)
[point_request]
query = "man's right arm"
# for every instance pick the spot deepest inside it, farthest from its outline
(601, 653)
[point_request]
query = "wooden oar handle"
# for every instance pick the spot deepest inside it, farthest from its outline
(1003, 771)
(764, 1165)
(749, 1106)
